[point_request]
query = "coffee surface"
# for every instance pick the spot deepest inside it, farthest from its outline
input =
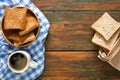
(18, 61)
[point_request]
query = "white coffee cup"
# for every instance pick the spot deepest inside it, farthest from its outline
(28, 61)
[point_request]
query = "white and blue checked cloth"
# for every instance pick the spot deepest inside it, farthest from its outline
(36, 49)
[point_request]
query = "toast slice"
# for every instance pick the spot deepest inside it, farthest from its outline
(13, 36)
(31, 24)
(15, 18)
(29, 38)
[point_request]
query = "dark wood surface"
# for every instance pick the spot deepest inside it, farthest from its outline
(70, 55)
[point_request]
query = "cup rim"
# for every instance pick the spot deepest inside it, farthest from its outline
(27, 65)
(23, 45)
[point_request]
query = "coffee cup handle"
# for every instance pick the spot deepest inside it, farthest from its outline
(33, 64)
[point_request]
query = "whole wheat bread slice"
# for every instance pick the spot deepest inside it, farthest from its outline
(100, 41)
(106, 26)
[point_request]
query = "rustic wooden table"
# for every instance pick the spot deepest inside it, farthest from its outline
(70, 55)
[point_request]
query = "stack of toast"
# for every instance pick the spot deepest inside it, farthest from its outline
(20, 25)
(107, 36)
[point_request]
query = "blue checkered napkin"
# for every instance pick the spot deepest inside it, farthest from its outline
(36, 50)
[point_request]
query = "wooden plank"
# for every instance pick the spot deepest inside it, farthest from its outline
(72, 31)
(77, 66)
(78, 4)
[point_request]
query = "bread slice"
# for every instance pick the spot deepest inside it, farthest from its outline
(29, 38)
(14, 37)
(106, 26)
(15, 18)
(100, 41)
(32, 23)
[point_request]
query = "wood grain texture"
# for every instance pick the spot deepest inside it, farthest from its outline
(78, 4)
(70, 54)
(72, 30)
(77, 66)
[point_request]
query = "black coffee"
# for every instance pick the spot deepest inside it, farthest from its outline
(18, 61)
